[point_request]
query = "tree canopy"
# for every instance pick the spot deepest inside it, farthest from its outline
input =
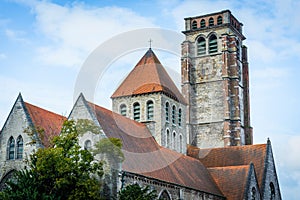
(135, 192)
(62, 172)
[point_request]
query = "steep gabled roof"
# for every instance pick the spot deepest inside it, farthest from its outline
(233, 156)
(49, 122)
(148, 76)
(232, 180)
(144, 156)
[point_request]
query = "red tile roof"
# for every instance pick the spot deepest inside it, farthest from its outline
(48, 121)
(231, 180)
(233, 156)
(148, 76)
(144, 156)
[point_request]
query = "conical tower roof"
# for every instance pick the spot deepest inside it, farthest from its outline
(148, 76)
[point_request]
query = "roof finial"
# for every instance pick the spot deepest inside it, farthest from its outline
(150, 42)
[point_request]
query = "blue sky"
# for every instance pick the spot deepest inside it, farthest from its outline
(44, 44)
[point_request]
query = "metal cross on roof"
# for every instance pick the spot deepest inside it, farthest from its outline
(150, 42)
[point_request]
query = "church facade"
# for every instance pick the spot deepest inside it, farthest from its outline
(193, 144)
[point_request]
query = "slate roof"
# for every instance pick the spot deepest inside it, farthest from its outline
(48, 121)
(148, 76)
(144, 156)
(233, 156)
(231, 180)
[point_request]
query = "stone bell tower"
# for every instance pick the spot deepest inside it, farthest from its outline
(215, 81)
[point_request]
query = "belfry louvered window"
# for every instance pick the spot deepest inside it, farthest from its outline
(150, 110)
(202, 23)
(219, 20)
(211, 21)
(201, 46)
(123, 110)
(213, 44)
(179, 116)
(20, 147)
(194, 25)
(167, 111)
(136, 111)
(11, 148)
(173, 114)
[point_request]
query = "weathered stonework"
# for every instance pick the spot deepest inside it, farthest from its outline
(173, 191)
(17, 124)
(270, 177)
(158, 126)
(216, 83)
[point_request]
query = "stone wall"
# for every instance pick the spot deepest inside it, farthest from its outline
(159, 125)
(174, 191)
(270, 178)
(18, 124)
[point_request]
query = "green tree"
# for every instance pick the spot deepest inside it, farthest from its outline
(64, 171)
(135, 192)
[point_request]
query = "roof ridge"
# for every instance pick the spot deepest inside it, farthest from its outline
(231, 166)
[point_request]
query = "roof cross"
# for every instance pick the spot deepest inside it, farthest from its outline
(150, 42)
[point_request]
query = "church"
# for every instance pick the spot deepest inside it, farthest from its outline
(196, 143)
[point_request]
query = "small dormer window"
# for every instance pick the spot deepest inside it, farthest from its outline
(202, 23)
(194, 25)
(211, 21)
(219, 20)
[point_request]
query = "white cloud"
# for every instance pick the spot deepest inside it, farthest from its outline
(76, 30)
(16, 35)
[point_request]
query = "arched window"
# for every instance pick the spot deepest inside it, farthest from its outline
(20, 147)
(201, 46)
(213, 44)
(87, 145)
(167, 111)
(136, 111)
(179, 116)
(211, 21)
(219, 20)
(272, 189)
(11, 148)
(238, 52)
(202, 23)
(253, 193)
(174, 141)
(123, 110)
(150, 110)
(164, 196)
(194, 25)
(168, 139)
(180, 144)
(173, 114)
